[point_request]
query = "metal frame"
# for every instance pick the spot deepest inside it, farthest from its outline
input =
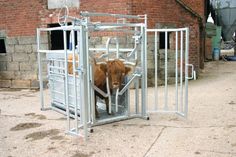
(122, 27)
(82, 77)
(82, 74)
(181, 95)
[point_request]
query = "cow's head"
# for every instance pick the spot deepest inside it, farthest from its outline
(116, 71)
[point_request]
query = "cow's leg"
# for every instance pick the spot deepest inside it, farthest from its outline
(107, 107)
(96, 110)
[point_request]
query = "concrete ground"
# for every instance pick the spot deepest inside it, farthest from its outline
(209, 130)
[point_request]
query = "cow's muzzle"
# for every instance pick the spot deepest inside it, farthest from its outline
(115, 85)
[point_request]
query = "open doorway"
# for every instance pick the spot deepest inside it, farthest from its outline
(56, 41)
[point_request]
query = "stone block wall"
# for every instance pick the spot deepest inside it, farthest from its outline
(19, 66)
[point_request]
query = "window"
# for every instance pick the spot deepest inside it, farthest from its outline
(56, 38)
(162, 40)
(2, 46)
(53, 4)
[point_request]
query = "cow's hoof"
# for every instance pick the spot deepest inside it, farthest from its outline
(112, 113)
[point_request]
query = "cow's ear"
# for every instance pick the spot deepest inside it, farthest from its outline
(103, 67)
(127, 70)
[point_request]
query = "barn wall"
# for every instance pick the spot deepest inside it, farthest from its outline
(19, 20)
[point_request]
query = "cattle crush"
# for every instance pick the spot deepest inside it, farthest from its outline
(70, 72)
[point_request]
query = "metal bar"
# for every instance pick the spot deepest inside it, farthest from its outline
(68, 28)
(120, 24)
(99, 91)
(74, 80)
(52, 51)
(144, 66)
(84, 77)
(128, 84)
(109, 93)
(128, 102)
(192, 71)
(89, 76)
(176, 71)
(117, 48)
(181, 71)
(134, 51)
(167, 30)
(166, 71)
(135, 47)
(66, 80)
(54, 67)
(40, 71)
(107, 47)
(112, 49)
(89, 14)
(137, 96)
(186, 71)
(115, 30)
(117, 94)
(116, 119)
(156, 71)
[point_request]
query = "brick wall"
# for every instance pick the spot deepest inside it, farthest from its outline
(19, 20)
(171, 14)
(197, 5)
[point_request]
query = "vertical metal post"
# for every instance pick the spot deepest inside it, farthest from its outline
(66, 80)
(137, 96)
(186, 71)
(235, 43)
(117, 94)
(181, 71)
(176, 71)
(135, 45)
(144, 66)
(128, 102)
(75, 81)
(156, 73)
(40, 70)
(107, 80)
(92, 101)
(89, 77)
(84, 78)
(117, 48)
(166, 71)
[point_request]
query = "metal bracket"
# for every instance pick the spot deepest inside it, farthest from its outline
(193, 72)
(81, 70)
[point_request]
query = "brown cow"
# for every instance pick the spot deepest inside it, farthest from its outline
(116, 71)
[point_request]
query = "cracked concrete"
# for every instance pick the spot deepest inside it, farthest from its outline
(209, 130)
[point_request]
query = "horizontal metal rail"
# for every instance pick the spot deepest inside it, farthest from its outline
(68, 28)
(99, 91)
(167, 30)
(89, 14)
(112, 49)
(120, 24)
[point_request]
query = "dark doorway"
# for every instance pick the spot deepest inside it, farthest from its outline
(56, 38)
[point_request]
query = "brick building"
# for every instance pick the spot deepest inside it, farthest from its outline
(19, 20)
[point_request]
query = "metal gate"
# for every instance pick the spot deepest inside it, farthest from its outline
(169, 61)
